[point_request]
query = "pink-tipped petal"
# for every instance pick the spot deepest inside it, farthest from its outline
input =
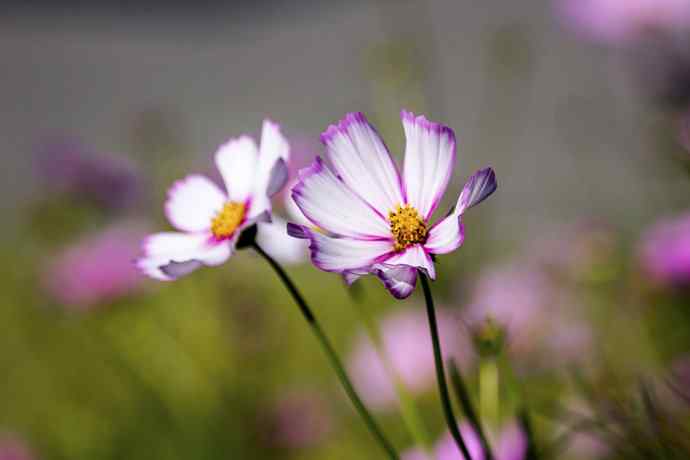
(477, 188)
(193, 202)
(362, 160)
(169, 254)
(332, 206)
(399, 280)
(446, 235)
(343, 254)
(429, 161)
(237, 162)
(416, 257)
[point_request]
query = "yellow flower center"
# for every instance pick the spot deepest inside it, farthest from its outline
(407, 227)
(228, 219)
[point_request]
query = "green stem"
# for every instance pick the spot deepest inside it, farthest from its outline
(488, 390)
(465, 402)
(440, 372)
(330, 354)
(408, 408)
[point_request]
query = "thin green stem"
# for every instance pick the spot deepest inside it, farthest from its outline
(465, 402)
(330, 354)
(440, 372)
(489, 389)
(408, 408)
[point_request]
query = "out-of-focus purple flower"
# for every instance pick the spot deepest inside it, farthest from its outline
(532, 312)
(621, 21)
(406, 342)
(664, 252)
(108, 180)
(300, 419)
(97, 269)
(511, 444)
(575, 251)
(13, 448)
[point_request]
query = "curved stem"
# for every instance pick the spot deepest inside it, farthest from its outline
(330, 354)
(440, 372)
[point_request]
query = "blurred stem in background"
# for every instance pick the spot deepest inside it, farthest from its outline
(330, 354)
(440, 372)
(408, 408)
(489, 409)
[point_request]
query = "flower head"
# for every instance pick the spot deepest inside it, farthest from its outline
(665, 251)
(14, 448)
(211, 220)
(371, 218)
(511, 444)
(96, 269)
(619, 21)
(405, 342)
(109, 181)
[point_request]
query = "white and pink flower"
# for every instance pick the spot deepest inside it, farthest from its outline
(370, 218)
(211, 220)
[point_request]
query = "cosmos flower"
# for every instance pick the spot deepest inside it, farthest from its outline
(96, 269)
(210, 220)
(13, 448)
(109, 181)
(370, 219)
(511, 444)
(664, 251)
(406, 343)
(533, 313)
(620, 21)
(300, 419)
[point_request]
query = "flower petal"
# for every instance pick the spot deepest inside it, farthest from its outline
(429, 160)
(415, 257)
(361, 159)
(342, 254)
(476, 189)
(399, 280)
(274, 239)
(193, 202)
(271, 169)
(237, 162)
(330, 205)
(169, 254)
(446, 236)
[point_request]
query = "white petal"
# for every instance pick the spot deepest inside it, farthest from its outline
(399, 280)
(237, 162)
(294, 213)
(446, 235)
(273, 238)
(361, 159)
(414, 256)
(344, 254)
(193, 202)
(165, 252)
(429, 161)
(331, 206)
(271, 169)
(476, 189)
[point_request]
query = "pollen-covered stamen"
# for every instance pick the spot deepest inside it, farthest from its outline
(407, 227)
(228, 219)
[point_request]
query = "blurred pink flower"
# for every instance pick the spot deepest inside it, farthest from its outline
(621, 21)
(300, 419)
(13, 448)
(406, 342)
(535, 314)
(108, 180)
(511, 444)
(97, 269)
(664, 252)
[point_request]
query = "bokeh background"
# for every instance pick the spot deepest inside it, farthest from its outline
(581, 260)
